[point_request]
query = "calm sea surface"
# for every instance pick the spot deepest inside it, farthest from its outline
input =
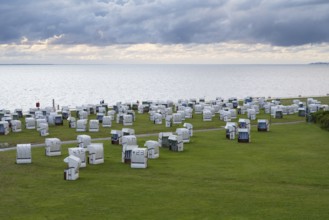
(72, 85)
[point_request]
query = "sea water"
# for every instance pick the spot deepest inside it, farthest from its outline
(72, 85)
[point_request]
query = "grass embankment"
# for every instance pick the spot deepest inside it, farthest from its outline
(282, 174)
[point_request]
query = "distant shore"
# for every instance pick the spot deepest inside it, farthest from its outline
(320, 63)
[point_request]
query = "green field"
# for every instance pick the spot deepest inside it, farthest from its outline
(281, 174)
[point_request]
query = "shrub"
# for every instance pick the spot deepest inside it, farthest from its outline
(321, 117)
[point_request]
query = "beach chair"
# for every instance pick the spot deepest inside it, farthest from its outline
(163, 138)
(72, 122)
(39, 122)
(23, 153)
(30, 123)
(16, 126)
(244, 135)
(153, 151)
(80, 153)
(44, 129)
(116, 137)
(207, 115)
(263, 125)
(100, 116)
(53, 147)
(81, 125)
(93, 125)
(177, 118)
(83, 140)
(112, 114)
(4, 127)
(82, 114)
(107, 122)
(129, 142)
(189, 126)
(168, 121)
(157, 119)
(73, 166)
(251, 114)
(176, 143)
(19, 112)
(139, 158)
(128, 131)
(58, 120)
(126, 153)
(198, 109)
(51, 118)
(184, 133)
(231, 129)
(127, 120)
(96, 153)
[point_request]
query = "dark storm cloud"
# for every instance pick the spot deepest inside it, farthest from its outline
(104, 22)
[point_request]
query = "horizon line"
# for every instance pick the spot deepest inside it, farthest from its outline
(45, 64)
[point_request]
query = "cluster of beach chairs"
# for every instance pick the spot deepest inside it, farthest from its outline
(169, 112)
(160, 112)
(87, 152)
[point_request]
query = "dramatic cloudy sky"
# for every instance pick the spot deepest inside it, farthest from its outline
(164, 31)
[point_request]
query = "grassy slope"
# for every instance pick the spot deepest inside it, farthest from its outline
(282, 174)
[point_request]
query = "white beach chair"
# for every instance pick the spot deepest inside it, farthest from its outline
(139, 158)
(53, 147)
(93, 125)
(83, 140)
(23, 153)
(73, 166)
(153, 151)
(96, 153)
(80, 153)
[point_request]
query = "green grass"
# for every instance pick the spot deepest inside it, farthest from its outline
(282, 174)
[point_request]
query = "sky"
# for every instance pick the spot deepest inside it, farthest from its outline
(164, 31)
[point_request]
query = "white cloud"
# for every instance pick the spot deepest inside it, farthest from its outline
(218, 53)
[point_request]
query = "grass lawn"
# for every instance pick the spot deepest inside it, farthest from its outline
(282, 174)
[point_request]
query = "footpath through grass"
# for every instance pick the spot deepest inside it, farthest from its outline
(282, 174)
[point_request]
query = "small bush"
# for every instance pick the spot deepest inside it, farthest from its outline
(321, 117)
